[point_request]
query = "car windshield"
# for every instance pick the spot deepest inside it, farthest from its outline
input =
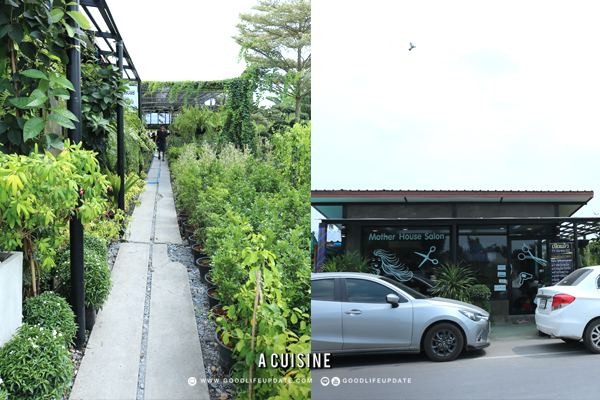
(575, 277)
(406, 289)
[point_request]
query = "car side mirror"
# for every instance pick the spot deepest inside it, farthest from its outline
(393, 299)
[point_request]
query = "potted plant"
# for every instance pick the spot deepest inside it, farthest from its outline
(453, 280)
(478, 294)
(98, 284)
(204, 266)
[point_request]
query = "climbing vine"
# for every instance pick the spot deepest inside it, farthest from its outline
(190, 89)
(101, 92)
(238, 128)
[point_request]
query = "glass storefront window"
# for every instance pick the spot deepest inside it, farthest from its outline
(404, 252)
(530, 268)
(486, 255)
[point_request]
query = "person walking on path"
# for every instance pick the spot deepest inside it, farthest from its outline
(161, 141)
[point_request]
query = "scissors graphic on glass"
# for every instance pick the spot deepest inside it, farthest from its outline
(426, 257)
(523, 256)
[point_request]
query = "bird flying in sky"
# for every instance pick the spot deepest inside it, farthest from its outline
(411, 47)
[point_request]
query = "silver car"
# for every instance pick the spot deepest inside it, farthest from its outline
(354, 312)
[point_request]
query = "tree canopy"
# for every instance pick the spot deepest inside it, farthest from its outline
(277, 37)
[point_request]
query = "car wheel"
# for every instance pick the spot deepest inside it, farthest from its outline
(570, 340)
(443, 342)
(591, 337)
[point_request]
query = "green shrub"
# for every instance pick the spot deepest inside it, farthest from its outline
(98, 280)
(348, 262)
(53, 313)
(96, 245)
(35, 364)
(479, 292)
(453, 280)
(173, 153)
(3, 391)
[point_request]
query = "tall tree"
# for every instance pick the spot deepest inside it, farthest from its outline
(277, 37)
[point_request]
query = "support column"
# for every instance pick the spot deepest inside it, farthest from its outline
(321, 247)
(575, 247)
(77, 270)
(454, 244)
(139, 83)
(120, 134)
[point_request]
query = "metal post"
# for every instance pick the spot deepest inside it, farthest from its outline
(139, 83)
(454, 244)
(321, 247)
(575, 247)
(120, 134)
(77, 268)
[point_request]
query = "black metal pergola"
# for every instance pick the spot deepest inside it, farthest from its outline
(159, 101)
(124, 63)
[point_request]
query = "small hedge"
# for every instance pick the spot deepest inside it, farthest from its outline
(52, 312)
(35, 364)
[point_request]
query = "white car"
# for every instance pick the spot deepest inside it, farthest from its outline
(570, 310)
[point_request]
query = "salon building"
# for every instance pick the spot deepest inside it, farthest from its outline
(514, 241)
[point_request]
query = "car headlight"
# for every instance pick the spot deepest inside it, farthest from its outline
(473, 316)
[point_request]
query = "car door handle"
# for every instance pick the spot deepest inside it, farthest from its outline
(354, 312)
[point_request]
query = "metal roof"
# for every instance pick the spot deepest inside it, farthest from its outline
(160, 100)
(410, 196)
(100, 17)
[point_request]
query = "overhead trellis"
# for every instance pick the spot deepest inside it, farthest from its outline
(168, 97)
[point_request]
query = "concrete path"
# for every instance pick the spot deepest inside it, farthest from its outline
(110, 368)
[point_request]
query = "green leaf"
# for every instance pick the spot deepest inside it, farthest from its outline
(14, 135)
(69, 29)
(20, 102)
(43, 86)
(80, 19)
(37, 94)
(56, 15)
(3, 127)
(34, 73)
(62, 121)
(62, 81)
(33, 127)
(65, 113)
(29, 49)
(15, 33)
(4, 30)
(62, 93)
(37, 103)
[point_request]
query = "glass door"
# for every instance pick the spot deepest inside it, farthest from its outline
(529, 267)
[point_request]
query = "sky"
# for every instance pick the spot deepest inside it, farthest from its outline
(495, 96)
(181, 40)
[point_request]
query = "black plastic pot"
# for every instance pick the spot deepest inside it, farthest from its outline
(192, 240)
(212, 301)
(198, 253)
(189, 232)
(204, 278)
(226, 360)
(90, 318)
(204, 269)
(187, 226)
(213, 317)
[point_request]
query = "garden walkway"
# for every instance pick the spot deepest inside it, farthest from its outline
(131, 356)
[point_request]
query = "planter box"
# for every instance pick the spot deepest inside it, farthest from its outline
(11, 294)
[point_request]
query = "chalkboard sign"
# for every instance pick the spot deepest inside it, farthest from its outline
(561, 260)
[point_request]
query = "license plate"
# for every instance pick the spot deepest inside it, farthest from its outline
(543, 303)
